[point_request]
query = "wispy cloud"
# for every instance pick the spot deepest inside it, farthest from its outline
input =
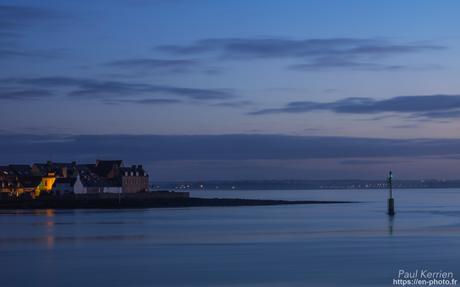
(429, 106)
(15, 16)
(14, 22)
(147, 65)
(83, 88)
(405, 126)
(149, 101)
(314, 54)
(30, 94)
(353, 64)
(234, 104)
(371, 162)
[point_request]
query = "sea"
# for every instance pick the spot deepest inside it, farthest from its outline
(350, 244)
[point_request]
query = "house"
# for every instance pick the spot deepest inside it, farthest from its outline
(64, 185)
(47, 182)
(50, 172)
(105, 176)
(29, 184)
(21, 169)
(18, 179)
(6, 173)
(19, 186)
(61, 170)
(110, 176)
(89, 182)
(134, 179)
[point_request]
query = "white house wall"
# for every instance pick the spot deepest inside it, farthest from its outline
(78, 187)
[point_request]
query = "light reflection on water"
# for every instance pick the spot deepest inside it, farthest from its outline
(299, 245)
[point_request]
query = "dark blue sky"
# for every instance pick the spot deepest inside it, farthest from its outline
(312, 70)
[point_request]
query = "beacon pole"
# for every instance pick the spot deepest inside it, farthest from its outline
(391, 201)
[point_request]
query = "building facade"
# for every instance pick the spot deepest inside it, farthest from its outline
(104, 176)
(134, 179)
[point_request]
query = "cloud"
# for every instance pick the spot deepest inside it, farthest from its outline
(116, 90)
(15, 21)
(31, 94)
(32, 53)
(152, 101)
(122, 89)
(234, 104)
(442, 114)
(10, 13)
(157, 65)
(218, 147)
(355, 53)
(143, 66)
(370, 162)
(13, 16)
(405, 126)
(429, 106)
(311, 129)
(244, 156)
(328, 63)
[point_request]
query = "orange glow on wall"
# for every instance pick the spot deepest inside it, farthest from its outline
(47, 182)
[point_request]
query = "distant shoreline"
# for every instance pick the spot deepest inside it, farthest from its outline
(114, 203)
(295, 184)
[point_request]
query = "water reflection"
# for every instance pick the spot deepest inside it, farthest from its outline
(50, 241)
(241, 246)
(390, 224)
(50, 223)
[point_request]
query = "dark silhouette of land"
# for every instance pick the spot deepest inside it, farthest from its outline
(114, 201)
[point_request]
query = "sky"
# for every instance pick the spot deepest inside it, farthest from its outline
(203, 89)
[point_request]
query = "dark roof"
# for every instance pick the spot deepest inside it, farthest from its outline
(87, 166)
(6, 172)
(109, 162)
(19, 175)
(105, 167)
(21, 169)
(55, 167)
(96, 181)
(65, 180)
(30, 181)
(91, 179)
(134, 169)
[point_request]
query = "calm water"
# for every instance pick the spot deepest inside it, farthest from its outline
(304, 245)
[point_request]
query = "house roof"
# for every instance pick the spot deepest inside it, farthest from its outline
(6, 172)
(95, 181)
(105, 167)
(30, 181)
(90, 179)
(21, 169)
(65, 180)
(135, 169)
(56, 167)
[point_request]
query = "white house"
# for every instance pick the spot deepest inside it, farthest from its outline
(89, 184)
